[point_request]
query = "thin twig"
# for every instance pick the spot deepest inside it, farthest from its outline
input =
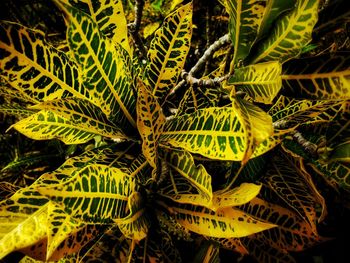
(135, 27)
(309, 147)
(188, 77)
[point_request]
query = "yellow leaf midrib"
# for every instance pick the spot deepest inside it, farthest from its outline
(94, 129)
(291, 22)
(317, 75)
(103, 73)
(156, 87)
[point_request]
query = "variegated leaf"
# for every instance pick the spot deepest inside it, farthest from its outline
(112, 246)
(136, 224)
(97, 193)
(341, 152)
(150, 123)
(287, 112)
(64, 234)
(10, 93)
(105, 77)
(34, 68)
(236, 196)
(318, 78)
(108, 15)
(83, 115)
(271, 142)
(274, 8)
(290, 34)
(285, 179)
(260, 249)
(16, 110)
(30, 230)
(182, 162)
(46, 125)
(168, 51)
(208, 253)
(216, 133)
(292, 233)
(261, 82)
(244, 23)
(257, 124)
(233, 244)
(196, 98)
(226, 223)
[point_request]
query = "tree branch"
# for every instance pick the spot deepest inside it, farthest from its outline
(188, 76)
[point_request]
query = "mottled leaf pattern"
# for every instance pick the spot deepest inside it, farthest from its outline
(135, 225)
(83, 115)
(318, 78)
(226, 223)
(182, 162)
(150, 123)
(16, 110)
(341, 152)
(27, 232)
(261, 81)
(168, 51)
(46, 125)
(290, 34)
(97, 193)
(287, 181)
(257, 124)
(292, 233)
(35, 68)
(244, 23)
(289, 113)
(108, 15)
(104, 73)
(214, 132)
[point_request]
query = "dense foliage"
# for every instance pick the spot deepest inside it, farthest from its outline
(146, 131)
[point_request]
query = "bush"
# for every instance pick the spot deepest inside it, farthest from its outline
(148, 161)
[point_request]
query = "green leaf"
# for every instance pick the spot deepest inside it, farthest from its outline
(290, 113)
(318, 78)
(341, 152)
(226, 223)
(196, 98)
(35, 68)
(244, 25)
(260, 249)
(216, 133)
(257, 124)
(16, 110)
(46, 125)
(287, 181)
(29, 230)
(150, 123)
(108, 15)
(292, 233)
(83, 115)
(112, 246)
(97, 193)
(65, 236)
(10, 93)
(107, 84)
(207, 253)
(261, 82)
(290, 34)
(168, 51)
(274, 8)
(136, 224)
(182, 162)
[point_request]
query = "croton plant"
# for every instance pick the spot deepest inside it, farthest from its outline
(150, 158)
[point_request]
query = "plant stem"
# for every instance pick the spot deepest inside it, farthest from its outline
(135, 27)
